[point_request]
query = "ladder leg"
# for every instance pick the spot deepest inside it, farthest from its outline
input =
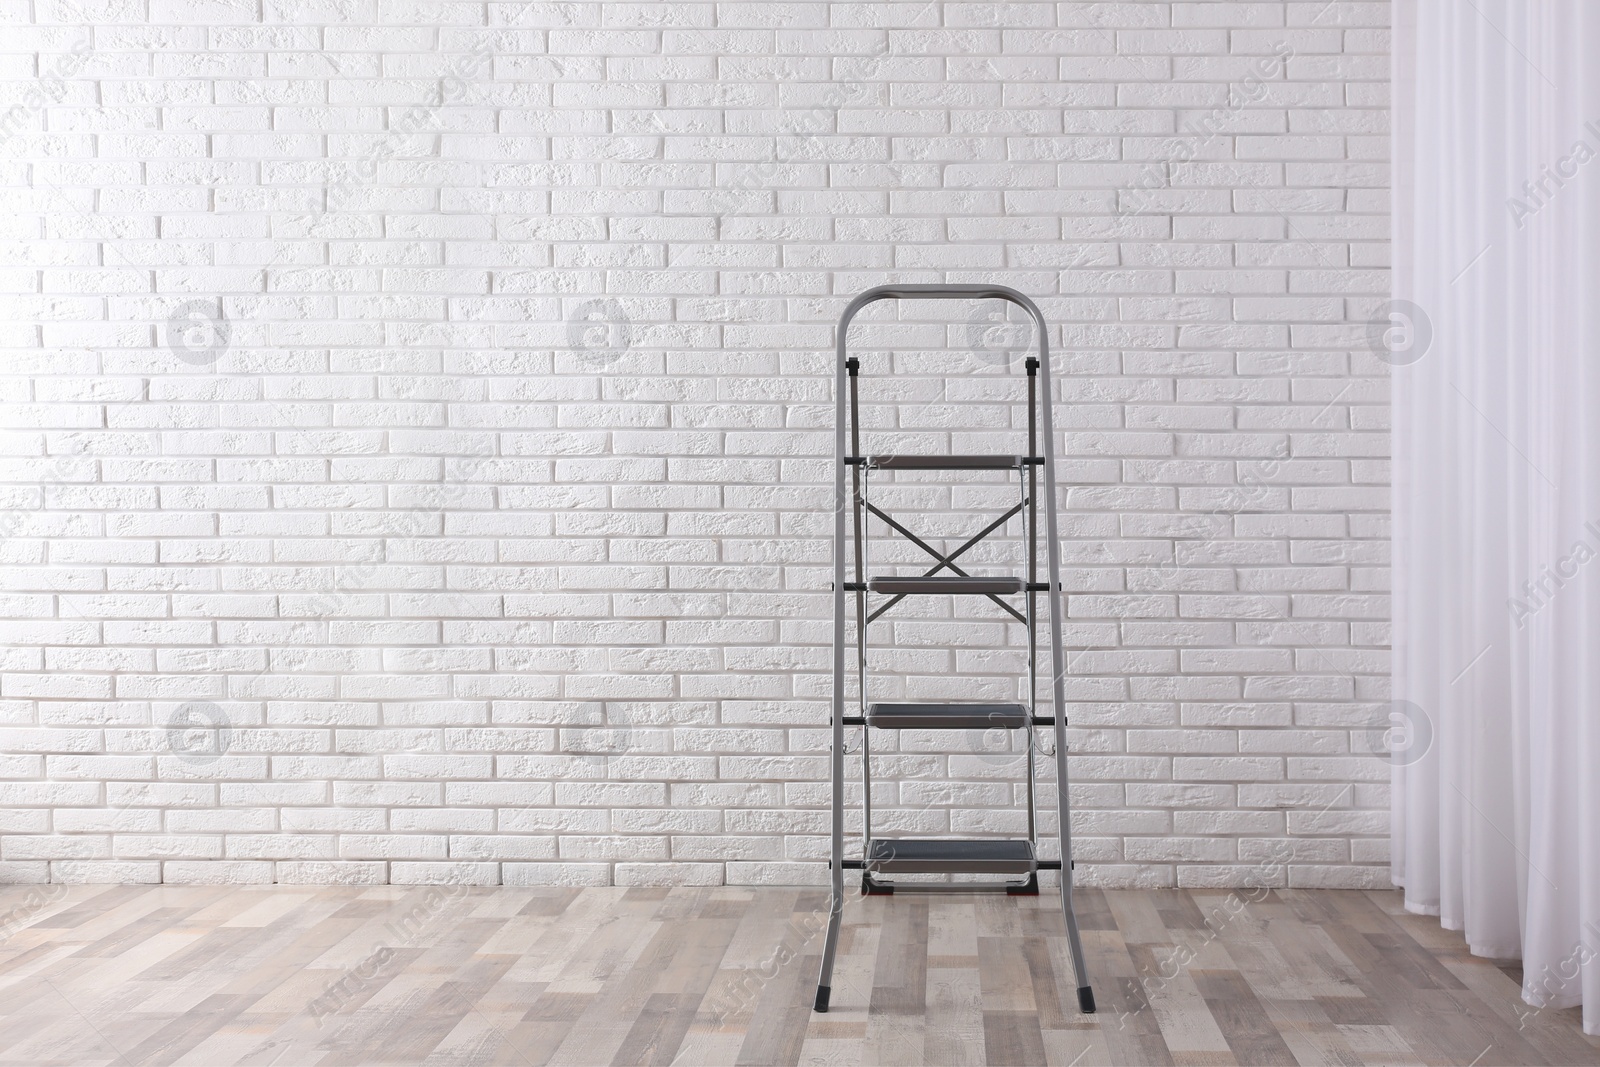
(1080, 970)
(830, 947)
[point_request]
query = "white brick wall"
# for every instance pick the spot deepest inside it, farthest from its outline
(416, 421)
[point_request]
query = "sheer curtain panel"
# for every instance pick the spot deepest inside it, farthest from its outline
(1495, 354)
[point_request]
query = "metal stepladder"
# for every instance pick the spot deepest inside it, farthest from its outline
(989, 856)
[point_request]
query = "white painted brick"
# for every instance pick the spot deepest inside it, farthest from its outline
(216, 872)
(92, 871)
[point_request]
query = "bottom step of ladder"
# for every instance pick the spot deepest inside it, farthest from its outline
(899, 855)
(871, 887)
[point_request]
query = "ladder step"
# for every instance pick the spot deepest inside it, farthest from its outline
(947, 716)
(944, 463)
(899, 855)
(945, 584)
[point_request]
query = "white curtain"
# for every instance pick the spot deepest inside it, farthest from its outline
(1495, 348)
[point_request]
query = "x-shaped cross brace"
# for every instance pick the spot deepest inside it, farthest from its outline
(944, 560)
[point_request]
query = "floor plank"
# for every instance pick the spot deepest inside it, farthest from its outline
(139, 975)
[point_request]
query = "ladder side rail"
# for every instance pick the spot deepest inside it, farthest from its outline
(1030, 543)
(863, 550)
(1030, 628)
(830, 947)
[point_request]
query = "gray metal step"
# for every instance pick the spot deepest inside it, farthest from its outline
(901, 855)
(945, 463)
(947, 716)
(951, 584)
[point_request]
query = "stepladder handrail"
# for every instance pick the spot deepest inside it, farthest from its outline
(944, 291)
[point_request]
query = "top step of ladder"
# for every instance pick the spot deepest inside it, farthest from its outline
(944, 463)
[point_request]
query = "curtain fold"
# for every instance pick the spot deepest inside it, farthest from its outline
(1496, 390)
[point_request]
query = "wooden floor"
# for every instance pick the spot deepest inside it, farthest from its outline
(448, 975)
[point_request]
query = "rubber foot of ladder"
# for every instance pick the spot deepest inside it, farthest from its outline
(822, 997)
(1085, 1000)
(1030, 888)
(875, 889)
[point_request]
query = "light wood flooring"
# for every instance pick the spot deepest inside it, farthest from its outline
(387, 974)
